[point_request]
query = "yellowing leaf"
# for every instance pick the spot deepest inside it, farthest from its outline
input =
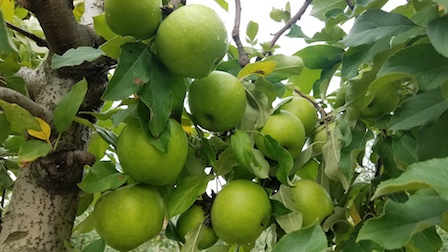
(44, 133)
(7, 8)
(261, 68)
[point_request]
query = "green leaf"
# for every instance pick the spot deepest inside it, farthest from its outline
(6, 44)
(242, 147)
(304, 82)
(68, 106)
(19, 118)
(187, 191)
(158, 95)
(400, 221)
(296, 32)
(259, 166)
(311, 239)
(226, 162)
(76, 56)
(291, 221)
(426, 240)
(108, 136)
(32, 150)
(223, 4)
(421, 61)
(419, 110)
(332, 155)
(131, 74)
(102, 176)
(112, 47)
(405, 149)
(284, 159)
(432, 139)
(5, 180)
(16, 83)
(321, 7)
(9, 65)
(286, 67)
(438, 34)
(101, 27)
(376, 24)
(5, 126)
(96, 246)
(252, 30)
(320, 56)
(276, 15)
(160, 142)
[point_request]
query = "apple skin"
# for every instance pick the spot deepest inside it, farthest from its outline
(303, 109)
(189, 220)
(240, 212)
(319, 138)
(129, 216)
(383, 102)
(144, 162)
(191, 41)
(218, 101)
(136, 18)
(287, 129)
(312, 201)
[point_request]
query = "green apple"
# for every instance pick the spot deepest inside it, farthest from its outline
(384, 101)
(191, 41)
(144, 162)
(129, 216)
(319, 138)
(287, 129)
(309, 170)
(189, 220)
(137, 18)
(218, 101)
(312, 201)
(303, 109)
(240, 212)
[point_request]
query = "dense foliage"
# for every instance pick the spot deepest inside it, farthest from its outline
(378, 148)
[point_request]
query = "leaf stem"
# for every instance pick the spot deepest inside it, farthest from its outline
(292, 21)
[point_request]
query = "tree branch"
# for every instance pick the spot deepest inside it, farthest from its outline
(243, 58)
(171, 6)
(292, 21)
(35, 109)
(92, 8)
(350, 4)
(39, 41)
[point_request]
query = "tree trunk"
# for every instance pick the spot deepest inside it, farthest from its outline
(42, 210)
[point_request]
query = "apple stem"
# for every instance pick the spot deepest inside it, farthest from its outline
(243, 58)
(39, 41)
(290, 22)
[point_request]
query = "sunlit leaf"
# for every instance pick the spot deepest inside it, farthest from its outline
(223, 4)
(44, 132)
(252, 30)
(32, 150)
(101, 27)
(68, 106)
(102, 176)
(76, 56)
(131, 74)
(19, 118)
(261, 68)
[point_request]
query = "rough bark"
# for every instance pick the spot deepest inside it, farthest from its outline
(41, 213)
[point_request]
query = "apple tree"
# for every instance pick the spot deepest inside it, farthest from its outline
(129, 112)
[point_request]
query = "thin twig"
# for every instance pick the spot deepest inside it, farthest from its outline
(243, 58)
(350, 4)
(171, 6)
(12, 96)
(292, 21)
(319, 108)
(39, 41)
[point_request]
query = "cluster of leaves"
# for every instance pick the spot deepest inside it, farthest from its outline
(398, 208)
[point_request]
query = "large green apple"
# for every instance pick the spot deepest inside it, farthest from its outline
(191, 41)
(218, 101)
(137, 18)
(312, 200)
(384, 101)
(303, 109)
(240, 212)
(129, 216)
(144, 162)
(287, 129)
(189, 220)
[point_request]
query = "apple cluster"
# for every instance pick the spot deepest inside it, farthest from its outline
(190, 42)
